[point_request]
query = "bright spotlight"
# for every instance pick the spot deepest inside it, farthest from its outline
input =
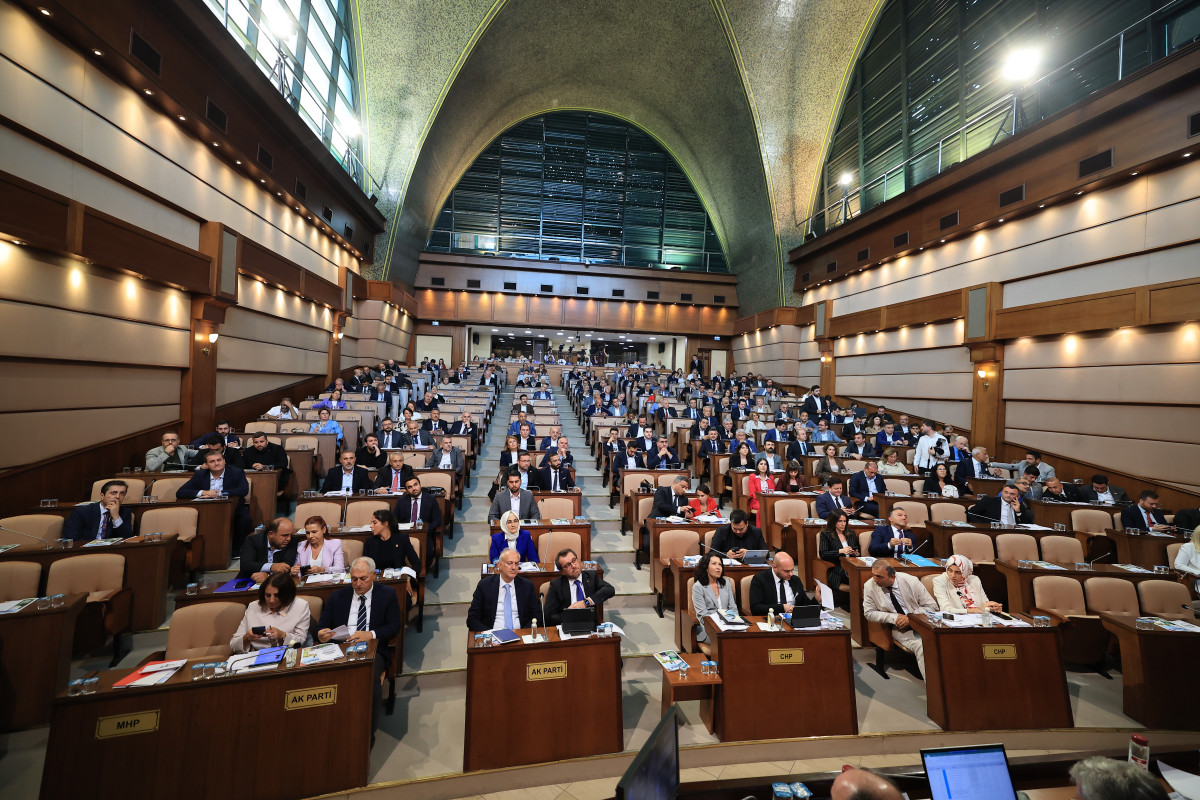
(1021, 64)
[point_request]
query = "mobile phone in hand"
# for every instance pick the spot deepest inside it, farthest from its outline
(259, 630)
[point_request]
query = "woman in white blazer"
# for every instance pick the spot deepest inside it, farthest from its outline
(317, 552)
(958, 590)
(711, 591)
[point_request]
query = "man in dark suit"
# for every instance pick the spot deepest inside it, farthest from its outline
(859, 448)
(832, 499)
(466, 427)
(265, 454)
(554, 476)
(348, 477)
(393, 476)
(574, 588)
(778, 434)
(224, 430)
(105, 519)
(634, 431)
(434, 424)
(894, 539)
(800, 446)
(1101, 492)
(1146, 515)
(380, 394)
(216, 478)
(270, 550)
(425, 507)
(631, 458)
(976, 466)
(447, 456)
(663, 455)
(738, 536)
(863, 487)
(1057, 491)
(778, 588)
(1007, 508)
(368, 614)
(671, 501)
(389, 437)
(370, 455)
(711, 443)
(814, 404)
(415, 437)
(859, 425)
(505, 599)
(514, 498)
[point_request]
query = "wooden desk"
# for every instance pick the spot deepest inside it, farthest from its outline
(858, 574)
(201, 739)
(787, 659)
(1050, 514)
(1020, 579)
(1143, 549)
(542, 526)
(989, 486)
(576, 498)
(800, 541)
(994, 678)
(586, 673)
(1154, 692)
(147, 566)
(696, 687)
(208, 594)
(36, 661)
(678, 580)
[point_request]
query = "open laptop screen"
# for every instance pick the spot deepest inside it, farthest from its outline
(968, 773)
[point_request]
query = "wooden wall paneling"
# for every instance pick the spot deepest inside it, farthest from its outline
(935, 308)
(867, 321)
(212, 240)
(581, 314)
(614, 314)
(113, 243)
(266, 265)
(987, 397)
(249, 409)
(650, 317)
(544, 311)
(509, 309)
(198, 388)
(476, 306)
(321, 290)
(436, 304)
(32, 214)
(1091, 312)
(1176, 302)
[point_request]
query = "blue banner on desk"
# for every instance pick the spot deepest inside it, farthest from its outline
(919, 561)
(235, 585)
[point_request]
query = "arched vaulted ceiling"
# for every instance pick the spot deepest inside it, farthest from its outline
(740, 92)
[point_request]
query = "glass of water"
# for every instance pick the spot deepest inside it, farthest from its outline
(683, 670)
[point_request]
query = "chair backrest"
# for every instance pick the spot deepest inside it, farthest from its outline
(325, 509)
(864, 541)
(101, 572)
(315, 605)
(1092, 520)
(180, 521)
(918, 513)
(262, 426)
(629, 483)
(743, 594)
(1117, 523)
(297, 442)
(1064, 549)
(788, 509)
(1172, 551)
(416, 459)
(1016, 547)
(295, 426)
(203, 630)
(677, 543)
(666, 478)
(898, 485)
(1166, 599)
(443, 479)
(853, 465)
(135, 488)
(360, 512)
(645, 505)
(19, 579)
(708, 537)
(691, 607)
(550, 543)
(351, 549)
(939, 512)
(722, 463)
(557, 507)
(418, 542)
(47, 527)
(1115, 595)
(165, 488)
(976, 546)
(927, 582)
(1059, 594)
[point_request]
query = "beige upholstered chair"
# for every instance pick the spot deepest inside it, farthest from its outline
(165, 488)
(19, 579)
(1166, 599)
(351, 549)
(361, 512)
(898, 486)
(1085, 640)
(135, 488)
(1062, 549)
(203, 630)
(1016, 547)
(551, 542)
(1112, 595)
(940, 512)
(1092, 520)
(976, 546)
(101, 577)
(327, 510)
(556, 508)
(47, 527)
(783, 511)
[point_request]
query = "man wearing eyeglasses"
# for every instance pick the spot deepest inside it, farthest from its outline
(575, 587)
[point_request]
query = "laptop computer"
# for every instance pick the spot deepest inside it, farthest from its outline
(806, 617)
(978, 772)
(755, 558)
(576, 621)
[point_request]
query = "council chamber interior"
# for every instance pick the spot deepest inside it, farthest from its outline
(964, 229)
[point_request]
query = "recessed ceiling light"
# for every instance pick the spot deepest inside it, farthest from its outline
(45, 11)
(1002, 219)
(1187, 155)
(1078, 193)
(216, 144)
(18, 243)
(97, 52)
(1043, 205)
(238, 162)
(653, 338)
(1133, 173)
(279, 194)
(264, 180)
(147, 92)
(495, 330)
(943, 241)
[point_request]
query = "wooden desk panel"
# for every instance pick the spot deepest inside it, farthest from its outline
(1050, 514)
(942, 536)
(35, 661)
(210, 740)
(1020, 579)
(696, 687)
(1143, 549)
(744, 714)
(1154, 692)
(994, 678)
(590, 677)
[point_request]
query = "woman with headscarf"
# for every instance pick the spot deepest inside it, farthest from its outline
(959, 591)
(512, 536)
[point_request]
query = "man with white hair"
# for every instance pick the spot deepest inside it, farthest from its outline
(1099, 778)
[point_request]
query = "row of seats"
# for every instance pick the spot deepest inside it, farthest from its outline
(180, 521)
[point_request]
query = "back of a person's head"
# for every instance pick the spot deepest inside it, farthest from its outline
(862, 784)
(1099, 778)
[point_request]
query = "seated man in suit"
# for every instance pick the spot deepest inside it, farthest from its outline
(1032, 459)
(832, 499)
(858, 425)
(223, 430)
(428, 402)
(631, 458)
(823, 434)
(1007, 509)
(863, 488)
(738, 536)
(894, 539)
(889, 437)
(1056, 490)
(380, 393)
(504, 599)
(417, 506)
(447, 456)
(434, 424)
(860, 448)
(347, 476)
(523, 404)
(522, 419)
(779, 433)
(416, 438)
(564, 454)
(105, 519)
(800, 446)
(551, 440)
(976, 466)
(264, 454)
(390, 437)
(574, 588)
(671, 501)
(554, 477)
(663, 456)
(636, 429)
(270, 550)
(958, 451)
(778, 588)
(529, 478)
(889, 597)
(393, 476)
(370, 455)
(1101, 492)
(216, 478)
(466, 427)
(769, 455)
(543, 393)
(526, 439)
(367, 614)
(171, 455)
(215, 443)
(519, 501)
(1146, 515)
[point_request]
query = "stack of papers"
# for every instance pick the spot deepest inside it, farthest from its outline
(716, 518)
(530, 566)
(13, 606)
(320, 577)
(151, 674)
(391, 573)
(1132, 568)
(669, 659)
(1029, 526)
(320, 654)
(6, 547)
(103, 542)
(1177, 625)
(560, 521)
(724, 624)
(357, 529)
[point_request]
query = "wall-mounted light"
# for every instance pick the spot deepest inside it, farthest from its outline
(338, 335)
(982, 373)
(212, 338)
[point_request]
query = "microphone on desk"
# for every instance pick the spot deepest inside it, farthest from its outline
(1098, 558)
(45, 545)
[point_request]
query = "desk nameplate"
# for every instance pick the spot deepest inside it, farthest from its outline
(546, 671)
(312, 697)
(1000, 652)
(127, 724)
(792, 655)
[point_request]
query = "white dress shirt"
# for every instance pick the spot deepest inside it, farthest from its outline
(921, 458)
(500, 622)
(514, 502)
(217, 482)
(293, 620)
(348, 481)
(446, 462)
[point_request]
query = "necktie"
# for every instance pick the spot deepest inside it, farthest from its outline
(508, 606)
(1149, 521)
(105, 521)
(395, 480)
(362, 612)
(578, 590)
(895, 600)
(554, 480)
(415, 510)
(899, 534)
(782, 595)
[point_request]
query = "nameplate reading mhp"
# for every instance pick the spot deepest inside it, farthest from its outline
(793, 655)
(309, 698)
(546, 671)
(127, 724)
(1003, 652)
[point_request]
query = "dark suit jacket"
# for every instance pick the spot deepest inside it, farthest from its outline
(665, 504)
(708, 447)
(654, 462)
(457, 429)
(859, 488)
(333, 480)
(825, 504)
(84, 523)
(988, 510)
(879, 546)
(1088, 495)
(561, 593)
(428, 512)
(764, 593)
(383, 479)
(254, 554)
(384, 397)
(274, 457)
(235, 484)
(422, 438)
(810, 405)
(966, 469)
(1070, 494)
(564, 478)
(443, 426)
(368, 460)
(797, 450)
(385, 622)
(482, 612)
(725, 540)
(390, 441)
(1134, 518)
(866, 451)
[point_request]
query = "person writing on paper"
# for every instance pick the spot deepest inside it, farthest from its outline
(105, 519)
(504, 599)
(738, 536)
(574, 588)
(778, 588)
(282, 619)
(711, 592)
(389, 548)
(703, 502)
(316, 552)
(958, 590)
(512, 536)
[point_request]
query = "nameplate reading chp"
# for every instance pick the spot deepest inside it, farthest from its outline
(1002, 652)
(311, 697)
(546, 671)
(792, 655)
(127, 724)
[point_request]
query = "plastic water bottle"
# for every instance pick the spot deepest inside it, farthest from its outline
(770, 619)
(1139, 750)
(290, 656)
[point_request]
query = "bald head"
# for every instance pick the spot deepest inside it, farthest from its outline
(783, 566)
(861, 784)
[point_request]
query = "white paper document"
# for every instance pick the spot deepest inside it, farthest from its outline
(1185, 783)
(341, 633)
